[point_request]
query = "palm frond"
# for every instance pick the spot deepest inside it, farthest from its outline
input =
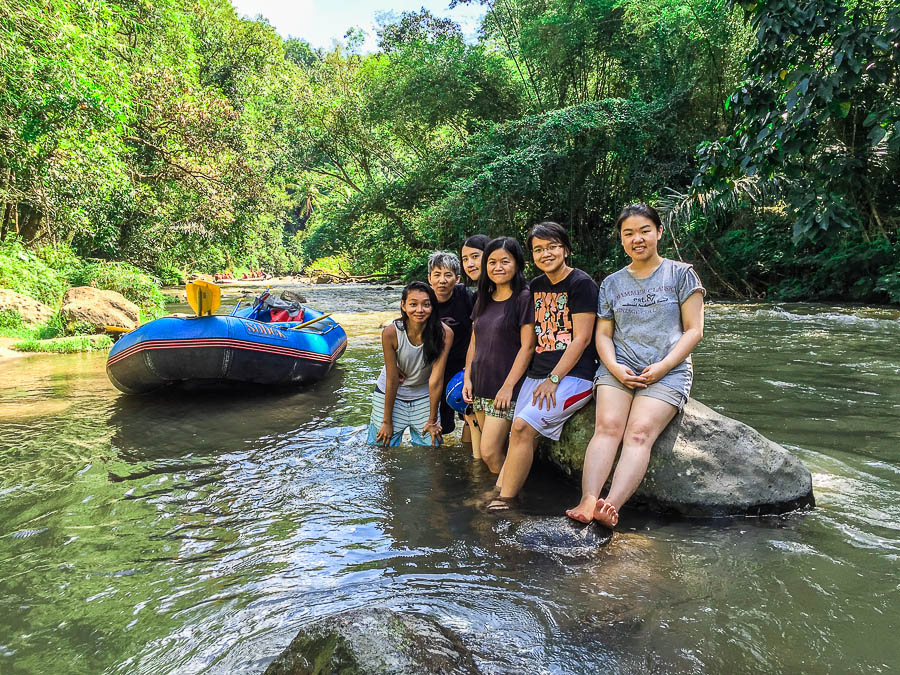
(678, 208)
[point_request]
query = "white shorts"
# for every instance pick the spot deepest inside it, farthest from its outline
(572, 394)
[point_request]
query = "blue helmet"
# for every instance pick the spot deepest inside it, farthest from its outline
(454, 393)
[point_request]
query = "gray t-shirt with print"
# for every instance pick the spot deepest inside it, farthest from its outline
(647, 315)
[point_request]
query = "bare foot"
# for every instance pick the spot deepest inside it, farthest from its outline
(606, 514)
(584, 512)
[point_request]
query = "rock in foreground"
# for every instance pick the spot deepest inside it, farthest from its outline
(99, 308)
(30, 310)
(560, 534)
(374, 642)
(703, 464)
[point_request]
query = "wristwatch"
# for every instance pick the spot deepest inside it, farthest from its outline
(553, 378)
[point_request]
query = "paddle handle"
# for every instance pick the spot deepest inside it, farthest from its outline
(311, 321)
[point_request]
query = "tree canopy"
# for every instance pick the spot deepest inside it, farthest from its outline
(177, 134)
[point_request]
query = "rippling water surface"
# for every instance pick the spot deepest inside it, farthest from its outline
(197, 533)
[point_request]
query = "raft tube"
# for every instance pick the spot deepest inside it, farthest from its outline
(222, 349)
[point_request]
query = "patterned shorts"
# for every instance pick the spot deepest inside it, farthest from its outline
(410, 415)
(486, 405)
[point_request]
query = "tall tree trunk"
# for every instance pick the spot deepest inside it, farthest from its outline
(33, 218)
(7, 216)
(7, 206)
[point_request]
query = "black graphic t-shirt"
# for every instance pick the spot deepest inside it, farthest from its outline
(554, 305)
(456, 313)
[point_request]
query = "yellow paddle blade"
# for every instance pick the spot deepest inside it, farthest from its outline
(203, 297)
(117, 329)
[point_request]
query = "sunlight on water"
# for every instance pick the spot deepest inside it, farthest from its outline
(197, 532)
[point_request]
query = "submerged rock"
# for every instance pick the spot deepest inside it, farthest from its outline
(559, 534)
(374, 642)
(28, 308)
(703, 464)
(99, 308)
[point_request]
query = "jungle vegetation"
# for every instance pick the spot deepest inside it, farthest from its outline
(175, 136)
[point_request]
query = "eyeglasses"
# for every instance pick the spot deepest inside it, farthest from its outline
(553, 248)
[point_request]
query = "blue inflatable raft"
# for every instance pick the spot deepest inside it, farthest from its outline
(245, 346)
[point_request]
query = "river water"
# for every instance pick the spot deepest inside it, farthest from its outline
(196, 533)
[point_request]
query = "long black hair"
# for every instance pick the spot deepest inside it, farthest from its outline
(486, 287)
(433, 333)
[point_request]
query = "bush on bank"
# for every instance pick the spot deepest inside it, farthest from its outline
(46, 273)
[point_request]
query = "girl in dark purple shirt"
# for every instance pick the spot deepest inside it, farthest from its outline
(501, 347)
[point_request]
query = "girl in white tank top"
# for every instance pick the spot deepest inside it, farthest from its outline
(408, 391)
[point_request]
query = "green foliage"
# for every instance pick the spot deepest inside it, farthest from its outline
(66, 345)
(168, 276)
(755, 257)
(137, 286)
(335, 264)
(21, 270)
(176, 137)
(55, 327)
(12, 324)
(820, 108)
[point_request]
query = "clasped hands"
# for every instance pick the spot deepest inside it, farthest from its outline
(649, 375)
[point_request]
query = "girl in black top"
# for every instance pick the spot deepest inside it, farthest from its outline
(470, 256)
(501, 346)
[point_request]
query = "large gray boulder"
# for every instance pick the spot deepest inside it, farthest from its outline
(703, 464)
(99, 308)
(29, 309)
(374, 642)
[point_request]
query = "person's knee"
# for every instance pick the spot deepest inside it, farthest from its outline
(521, 429)
(609, 426)
(639, 434)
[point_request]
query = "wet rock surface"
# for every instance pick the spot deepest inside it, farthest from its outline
(559, 535)
(28, 308)
(289, 295)
(375, 642)
(703, 464)
(98, 307)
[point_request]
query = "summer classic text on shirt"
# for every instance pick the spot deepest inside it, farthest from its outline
(647, 316)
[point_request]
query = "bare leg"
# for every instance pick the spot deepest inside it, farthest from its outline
(519, 457)
(494, 438)
(648, 417)
(473, 424)
(613, 405)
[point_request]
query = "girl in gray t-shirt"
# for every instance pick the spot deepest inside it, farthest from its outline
(650, 318)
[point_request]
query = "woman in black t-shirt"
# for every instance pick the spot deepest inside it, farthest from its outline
(501, 346)
(470, 256)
